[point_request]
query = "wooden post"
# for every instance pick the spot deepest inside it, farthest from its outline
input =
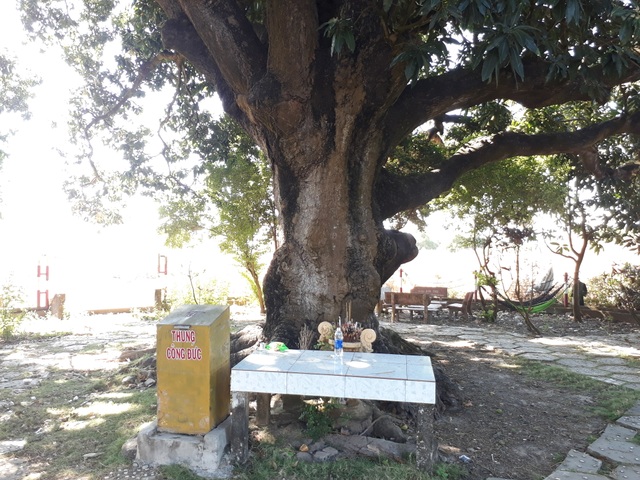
(159, 299)
(393, 307)
(426, 300)
(57, 305)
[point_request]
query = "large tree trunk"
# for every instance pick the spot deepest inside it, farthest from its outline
(334, 253)
(301, 289)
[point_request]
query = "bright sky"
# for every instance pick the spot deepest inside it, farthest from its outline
(37, 224)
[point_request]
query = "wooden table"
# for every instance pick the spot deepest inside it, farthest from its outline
(367, 376)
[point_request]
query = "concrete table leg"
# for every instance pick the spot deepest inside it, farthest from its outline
(263, 409)
(426, 445)
(239, 447)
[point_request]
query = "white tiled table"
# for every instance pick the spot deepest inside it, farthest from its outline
(367, 376)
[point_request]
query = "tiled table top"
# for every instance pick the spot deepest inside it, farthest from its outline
(368, 376)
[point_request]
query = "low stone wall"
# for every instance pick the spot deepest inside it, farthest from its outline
(605, 313)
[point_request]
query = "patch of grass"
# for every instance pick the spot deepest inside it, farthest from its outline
(69, 415)
(178, 472)
(35, 336)
(272, 461)
(44, 335)
(449, 471)
(607, 468)
(612, 401)
(632, 361)
(316, 417)
(592, 438)
(93, 347)
(636, 439)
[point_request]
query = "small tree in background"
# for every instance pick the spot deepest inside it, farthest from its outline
(497, 202)
(524, 272)
(592, 217)
(235, 203)
(482, 244)
(198, 291)
(11, 316)
(618, 289)
(240, 190)
(581, 235)
(595, 210)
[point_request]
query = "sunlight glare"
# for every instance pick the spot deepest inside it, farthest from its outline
(104, 408)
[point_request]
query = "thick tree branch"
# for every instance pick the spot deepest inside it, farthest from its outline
(292, 27)
(462, 88)
(179, 35)
(171, 8)
(507, 145)
(395, 194)
(231, 40)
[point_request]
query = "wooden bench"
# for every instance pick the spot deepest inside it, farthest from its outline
(412, 302)
(433, 292)
(464, 308)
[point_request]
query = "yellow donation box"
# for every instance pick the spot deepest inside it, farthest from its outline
(194, 372)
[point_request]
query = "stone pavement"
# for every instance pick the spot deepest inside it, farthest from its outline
(603, 358)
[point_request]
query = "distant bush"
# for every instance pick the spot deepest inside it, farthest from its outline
(618, 289)
(199, 293)
(11, 298)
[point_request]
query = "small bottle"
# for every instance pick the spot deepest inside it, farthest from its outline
(337, 339)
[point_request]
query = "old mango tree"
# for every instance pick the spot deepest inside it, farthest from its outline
(328, 89)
